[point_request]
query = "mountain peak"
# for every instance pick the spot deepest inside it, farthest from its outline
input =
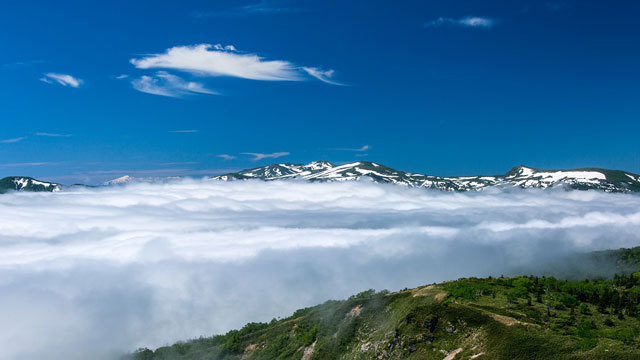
(521, 170)
(121, 180)
(521, 176)
(321, 164)
(25, 183)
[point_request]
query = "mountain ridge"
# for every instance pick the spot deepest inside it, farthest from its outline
(26, 183)
(520, 317)
(520, 176)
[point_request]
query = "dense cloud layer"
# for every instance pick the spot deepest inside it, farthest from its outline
(92, 273)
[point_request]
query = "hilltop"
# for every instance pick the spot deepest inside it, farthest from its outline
(522, 317)
(25, 183)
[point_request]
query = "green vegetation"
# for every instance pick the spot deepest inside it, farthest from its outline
(495, 318)
(626, 260)
(522, 317)
(588, 265)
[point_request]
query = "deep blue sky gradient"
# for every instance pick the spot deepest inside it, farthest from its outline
(551, 84)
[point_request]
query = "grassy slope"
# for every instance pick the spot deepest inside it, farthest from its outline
(503, 318)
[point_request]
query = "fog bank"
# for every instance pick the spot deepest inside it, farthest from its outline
(96, 272)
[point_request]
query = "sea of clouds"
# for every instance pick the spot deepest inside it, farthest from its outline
(93, 273)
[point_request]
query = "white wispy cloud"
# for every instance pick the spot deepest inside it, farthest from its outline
(52, 134)
(212, 60)
(62, 79)
(265, 7)
(122, 76)
(219, 60)
(469, 21)
(360, 149)
(226, 156)
(184, 131)
(12, 140)
(90, 271)
(165, 84)
(258, 8)
(219, 47)
(260, 156)
(180, 163)
(28, 164)
(322, 75)
(17, 64)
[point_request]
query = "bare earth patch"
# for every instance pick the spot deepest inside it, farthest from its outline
(355, 311)
(507, 320)
(452, 354)
(308, 351)
(430, 291)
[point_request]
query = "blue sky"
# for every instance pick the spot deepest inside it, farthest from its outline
(90, 91)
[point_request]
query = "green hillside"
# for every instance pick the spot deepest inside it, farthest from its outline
(494, 318)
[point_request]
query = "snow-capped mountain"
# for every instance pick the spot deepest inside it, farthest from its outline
(520, 176)
(121, 180)
(23, 183)
(126, 179)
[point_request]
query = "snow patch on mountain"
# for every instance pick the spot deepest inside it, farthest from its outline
(121, 180)
(21, 183)
(521, 176)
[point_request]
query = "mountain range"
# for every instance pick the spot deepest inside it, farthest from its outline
(323, 171)
(520, 176)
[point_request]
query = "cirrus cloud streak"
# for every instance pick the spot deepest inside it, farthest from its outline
(218, 60)
(469, 21)
(62, 79)
(260, 156)
(215, 60)
(165, 84)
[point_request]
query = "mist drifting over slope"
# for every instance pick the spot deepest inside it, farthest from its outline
(96, 272)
